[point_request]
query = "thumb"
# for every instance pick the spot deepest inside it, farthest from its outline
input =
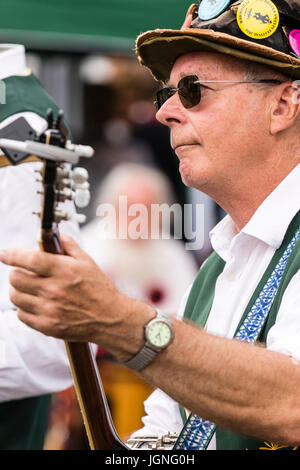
(71, 248)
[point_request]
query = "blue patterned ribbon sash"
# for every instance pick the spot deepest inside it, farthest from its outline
(197, 433)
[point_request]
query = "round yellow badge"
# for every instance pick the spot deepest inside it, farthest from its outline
(258, 19)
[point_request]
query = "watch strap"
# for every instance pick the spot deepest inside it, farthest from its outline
(148, 352)
(141, 359)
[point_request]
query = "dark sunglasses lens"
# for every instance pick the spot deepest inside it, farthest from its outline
(189, 91)
(162, 96)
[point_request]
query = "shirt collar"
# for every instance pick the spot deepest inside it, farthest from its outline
(12, 60)
(270, 221)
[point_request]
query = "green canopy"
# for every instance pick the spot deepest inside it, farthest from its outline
(85, 25)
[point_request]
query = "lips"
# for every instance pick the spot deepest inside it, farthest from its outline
(184, 143)
(182, 146)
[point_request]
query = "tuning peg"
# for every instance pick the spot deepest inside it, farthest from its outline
(60, 215)
(82, 150)
(62, 183)
(63, 172)
(74, 217)
(82, 197)
(64, 194)
(59, 119)
(84, 186)
(79, 218)
(79, 175)
(50, 118)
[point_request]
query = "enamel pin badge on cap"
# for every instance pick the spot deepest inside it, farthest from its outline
(294, 39)
(258, 19)
(209, 9)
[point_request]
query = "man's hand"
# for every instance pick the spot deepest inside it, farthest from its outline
(66, 296)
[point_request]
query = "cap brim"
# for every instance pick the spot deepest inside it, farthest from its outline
(158, 50)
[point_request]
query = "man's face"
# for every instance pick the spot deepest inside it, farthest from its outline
(226, 136)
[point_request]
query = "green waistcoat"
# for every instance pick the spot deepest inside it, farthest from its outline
(23, 423)
(200, 302)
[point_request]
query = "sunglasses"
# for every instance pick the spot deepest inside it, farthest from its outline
(189, 90)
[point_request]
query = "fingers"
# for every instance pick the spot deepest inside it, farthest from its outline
(25, 281)
(42, 263)
(37, 314)
(38, 323)
(24, 301)
(35, 261)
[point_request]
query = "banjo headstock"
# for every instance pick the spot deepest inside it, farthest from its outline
(61, 182)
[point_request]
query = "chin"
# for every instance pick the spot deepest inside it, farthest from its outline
(193, 179)
(189, 179)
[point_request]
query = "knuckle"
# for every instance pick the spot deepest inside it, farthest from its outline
(13, 276)
(54, 292)
(71, 271)
(13, 295)
(34, 259)
(54, 327)
(16, 277)
(48, 311)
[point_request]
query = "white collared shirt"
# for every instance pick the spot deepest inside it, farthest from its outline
(247, 255)
(30, 362)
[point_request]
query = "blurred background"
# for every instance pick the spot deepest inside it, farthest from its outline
(83, 54)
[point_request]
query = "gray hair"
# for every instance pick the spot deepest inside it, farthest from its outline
(260, 72)
(125, 174)
(255, 72)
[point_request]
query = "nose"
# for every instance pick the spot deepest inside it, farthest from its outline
(171, 111)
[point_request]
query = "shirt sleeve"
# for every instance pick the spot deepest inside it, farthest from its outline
(30, 362)
(162, 416)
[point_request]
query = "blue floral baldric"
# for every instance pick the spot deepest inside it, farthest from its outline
(197, 433)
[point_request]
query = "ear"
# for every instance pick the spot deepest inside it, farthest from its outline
(286, 106)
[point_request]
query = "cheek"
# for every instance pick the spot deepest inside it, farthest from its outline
(232, 130)
(215, 131)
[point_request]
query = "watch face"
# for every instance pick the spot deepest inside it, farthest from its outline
(159, 334)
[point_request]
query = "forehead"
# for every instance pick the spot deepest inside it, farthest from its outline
(207, 66)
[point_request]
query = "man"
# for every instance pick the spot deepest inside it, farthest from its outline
(31, 365)
(238, 142)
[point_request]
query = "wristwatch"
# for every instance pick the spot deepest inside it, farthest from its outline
(158, 335)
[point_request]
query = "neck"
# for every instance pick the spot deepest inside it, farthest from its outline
(241, 199)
